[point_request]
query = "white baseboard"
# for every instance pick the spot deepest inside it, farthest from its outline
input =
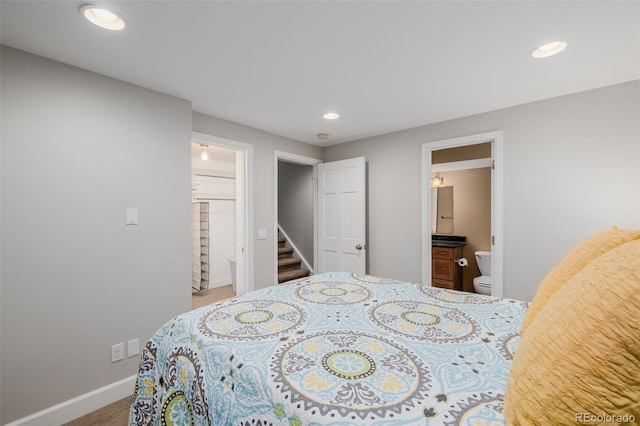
(219, 283)
(79, 406)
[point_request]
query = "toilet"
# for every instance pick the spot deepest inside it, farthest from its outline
(482, 284)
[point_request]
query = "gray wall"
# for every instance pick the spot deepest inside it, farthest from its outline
(571, 169)
(77, 150)
(264, 147)
(295, 205)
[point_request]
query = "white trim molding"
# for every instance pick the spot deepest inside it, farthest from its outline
(81, 405)
(497, 204)
(461, 165)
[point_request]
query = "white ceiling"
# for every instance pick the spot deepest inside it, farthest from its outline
(384, 66)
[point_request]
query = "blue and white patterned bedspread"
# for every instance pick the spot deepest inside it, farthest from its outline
(332, 349)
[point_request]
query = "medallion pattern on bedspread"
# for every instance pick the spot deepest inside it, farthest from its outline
(349, 374)
(424, 321)
(507, 345)
(338, 349)
(478, 409)
(333, 293)
(255, 319)
(453, 296)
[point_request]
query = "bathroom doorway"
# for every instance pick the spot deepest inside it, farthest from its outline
(221, 215)
(461, 201)
(472, 159)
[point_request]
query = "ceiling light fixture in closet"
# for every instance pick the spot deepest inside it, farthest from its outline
(204, 155)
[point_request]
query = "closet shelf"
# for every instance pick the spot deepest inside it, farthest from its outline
(213, 197)
(214, 173)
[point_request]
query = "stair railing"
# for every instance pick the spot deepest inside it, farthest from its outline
(296, 251)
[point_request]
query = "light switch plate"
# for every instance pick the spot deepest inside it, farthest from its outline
(132, 216)
(262, 234)
(133, 347)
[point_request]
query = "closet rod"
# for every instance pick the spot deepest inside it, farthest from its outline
(215, 176)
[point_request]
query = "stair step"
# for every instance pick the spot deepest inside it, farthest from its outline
(288, 261)
(292, 275)
(281, 241)
(288, 264)
(284, 252)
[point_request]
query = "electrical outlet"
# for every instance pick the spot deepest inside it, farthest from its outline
(133, 347)
(117, 352)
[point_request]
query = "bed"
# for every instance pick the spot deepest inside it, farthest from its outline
(332, 349)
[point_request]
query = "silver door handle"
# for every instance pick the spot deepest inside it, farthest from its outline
(359, 247)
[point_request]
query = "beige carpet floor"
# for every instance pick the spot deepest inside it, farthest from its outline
(116, 414)
(206, 297)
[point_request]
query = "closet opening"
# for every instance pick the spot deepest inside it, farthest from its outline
(218, 222)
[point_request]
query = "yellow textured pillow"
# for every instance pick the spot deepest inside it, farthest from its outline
(572, 263)
(580, 357)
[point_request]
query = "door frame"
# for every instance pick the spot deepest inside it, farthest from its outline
(497, 206)
(305, 161)
(248, 270)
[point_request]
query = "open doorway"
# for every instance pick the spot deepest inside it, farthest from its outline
(220, 187)
(295, 215)
(480, 167)
(461, 210)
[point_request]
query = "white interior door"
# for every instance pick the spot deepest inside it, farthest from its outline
(341, 216)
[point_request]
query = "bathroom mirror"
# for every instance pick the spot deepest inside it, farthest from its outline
(442, 209)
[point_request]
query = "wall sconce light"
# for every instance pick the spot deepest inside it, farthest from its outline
(437, 180)
(204, 154)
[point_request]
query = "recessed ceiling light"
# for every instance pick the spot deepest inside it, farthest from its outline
(549, 49)
(322, 136)
(331, 116)
(102, 17)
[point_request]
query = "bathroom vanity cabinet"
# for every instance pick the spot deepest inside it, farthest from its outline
(445, 272)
